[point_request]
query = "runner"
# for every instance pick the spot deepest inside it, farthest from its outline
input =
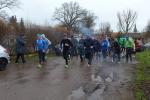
(74, 48)
(81, 49)
(109, 46)
(116, 51)
(104, 48)
(129, 44)
(47, 45)
(66, 46)
(20, 46)
(88, 45)
(122, 41)
(41, 49)
(97, 48)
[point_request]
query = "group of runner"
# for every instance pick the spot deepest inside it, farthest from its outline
(89, 46)
(86, 47)
(42, 45)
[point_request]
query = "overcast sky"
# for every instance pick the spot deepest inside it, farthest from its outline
(41, 11)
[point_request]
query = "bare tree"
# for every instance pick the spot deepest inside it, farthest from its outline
(147, 35)
(88, 20)
(105, 28)
(148, 27)
(126, 20)
(22, 26)
(7, 4)
(3, 30)
(69, 14)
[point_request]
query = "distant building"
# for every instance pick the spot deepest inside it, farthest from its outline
(146, 37)
(136, 35)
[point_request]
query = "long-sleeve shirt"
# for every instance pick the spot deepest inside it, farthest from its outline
(66, 44)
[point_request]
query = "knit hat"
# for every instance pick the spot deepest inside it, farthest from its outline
(39, 35)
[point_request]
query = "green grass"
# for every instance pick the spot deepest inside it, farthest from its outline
(31, 57)
(142, 75)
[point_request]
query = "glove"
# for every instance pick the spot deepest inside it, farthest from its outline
(61, 50)
(36, 49)
(43, 51)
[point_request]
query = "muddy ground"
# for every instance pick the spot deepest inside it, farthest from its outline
(104, 80)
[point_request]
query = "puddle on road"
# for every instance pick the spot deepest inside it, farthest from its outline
(22, 81)
(77, 95)
(41, 76)
(20, 75)
(54, 77)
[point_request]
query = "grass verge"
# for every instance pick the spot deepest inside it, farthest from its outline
(142, 82)
(31, 57)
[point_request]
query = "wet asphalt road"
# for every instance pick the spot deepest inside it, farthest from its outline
(54, 82)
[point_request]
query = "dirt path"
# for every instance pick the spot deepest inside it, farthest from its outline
(102, 81)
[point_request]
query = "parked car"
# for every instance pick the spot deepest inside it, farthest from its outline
(147, 45)
(4, 58)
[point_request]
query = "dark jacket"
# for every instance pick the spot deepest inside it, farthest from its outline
(81, 46)
(116, 47)
(66, 44)
(20, 44)
(74, 42)
(97, 46)
(89, 44)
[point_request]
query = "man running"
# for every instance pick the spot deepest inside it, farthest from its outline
(121, 41)
(66, 45)
(41, 49)
(116, 51)
(74, 47)
(104, 47)
(20, 46)
(81, 49)
(129, 44)
(89, 46)
(47, 45)
(97, 48)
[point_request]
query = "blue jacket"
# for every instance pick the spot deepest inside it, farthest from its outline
(41, 45)
(104, 45)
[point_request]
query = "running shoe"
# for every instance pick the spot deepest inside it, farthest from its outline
(119, 62)
(66, 66)
(88, 65)
(39, 66)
